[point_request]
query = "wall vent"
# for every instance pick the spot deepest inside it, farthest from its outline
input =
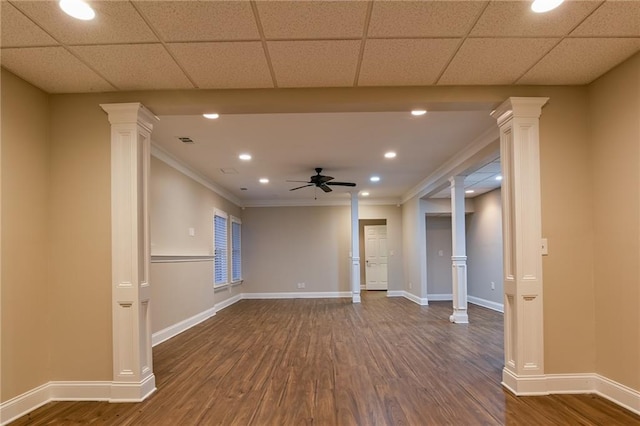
(185, 139)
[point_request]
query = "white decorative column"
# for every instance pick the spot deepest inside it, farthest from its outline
(459, 252)
(355, 249)
(131, 125)
(518, 119)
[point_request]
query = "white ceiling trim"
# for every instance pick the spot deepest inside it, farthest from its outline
(172, 161)
(324, 202)
(457, 164)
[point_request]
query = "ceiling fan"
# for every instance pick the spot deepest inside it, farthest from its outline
(320, 181)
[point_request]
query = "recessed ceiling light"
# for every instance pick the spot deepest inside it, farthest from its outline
(374, 178)
(244, 157)
(77, 9)
(419, 112)
(499, 177)
(211, 116)
(541, 6)
(469, 191)
(390, 154)
(364, 194)
(264, 180)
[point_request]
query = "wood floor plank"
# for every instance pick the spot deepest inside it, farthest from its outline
(386, 361)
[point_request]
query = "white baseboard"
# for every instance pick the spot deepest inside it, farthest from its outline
(422, 301)
(550, 384)
(495, 306)
(175, 329)
(74, 391)
(499, 307)
(298, 295)
(228, 302)
(395, 293)
(25, 403)
(618, 393)
(80, 391)
(440, 297)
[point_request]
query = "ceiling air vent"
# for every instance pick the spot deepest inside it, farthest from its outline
(185, 139)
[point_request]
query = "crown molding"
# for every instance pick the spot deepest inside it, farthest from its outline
(457, 164)
(322, 203)
(172, 161)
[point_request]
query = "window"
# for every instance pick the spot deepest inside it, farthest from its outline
(236, 254)
(220, 262)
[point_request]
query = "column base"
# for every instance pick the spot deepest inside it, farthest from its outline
(459, 317)
(356, 297)
(524, 385)
(133, 391)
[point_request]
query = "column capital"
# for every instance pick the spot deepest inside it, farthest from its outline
(130, 113)
(519, 107)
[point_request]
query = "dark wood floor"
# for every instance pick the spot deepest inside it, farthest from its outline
(386, 361)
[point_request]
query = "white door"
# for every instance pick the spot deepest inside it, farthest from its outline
(375, 250)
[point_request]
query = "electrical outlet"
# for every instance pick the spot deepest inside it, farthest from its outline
(301, 285)
(410, 286)
(493, 285)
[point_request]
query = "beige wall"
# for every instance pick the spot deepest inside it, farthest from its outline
(25, 192)
(614, 113)
(180, 290)
(439, 278)
(567, 222)
(393, 216)
(484, 248)
(284, 246)
(80, 226)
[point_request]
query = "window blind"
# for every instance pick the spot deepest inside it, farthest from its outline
(220, 249)
(236, 254)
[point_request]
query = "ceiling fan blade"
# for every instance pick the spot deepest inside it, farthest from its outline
(324, 179)
(341, 183)
(303, 186)
(325, 188)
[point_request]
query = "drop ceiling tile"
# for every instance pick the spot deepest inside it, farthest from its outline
(201, 21)
(312, 19)
(135, 66)
(53, 69)
(16, 30)
(494, 61)
(224, 65)
(423, 18)
(515, 18)
(314, 63)
(404, 62)
(625, 15)
(115, 22)
(580, 60)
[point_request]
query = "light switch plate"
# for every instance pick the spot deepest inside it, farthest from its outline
(545, 247)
